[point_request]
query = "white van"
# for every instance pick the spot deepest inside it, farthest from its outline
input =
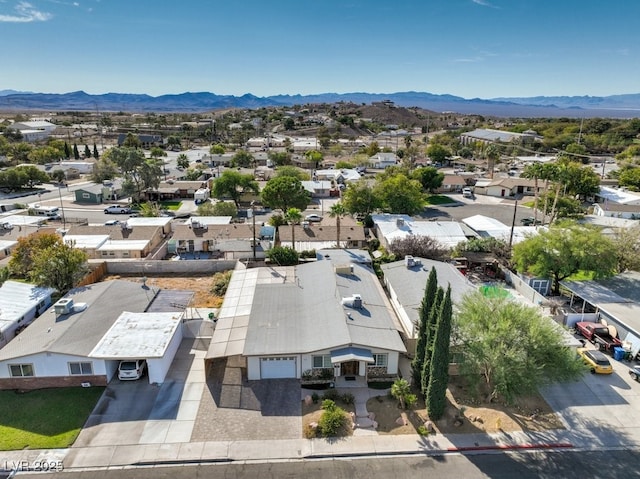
(52, 212)
(131, 369)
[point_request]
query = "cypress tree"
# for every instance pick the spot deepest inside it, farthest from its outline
(76, 153)
(425, 307)
(87, 151)
(96, 155)
(430, 336)
(436, 398)
(67, 150)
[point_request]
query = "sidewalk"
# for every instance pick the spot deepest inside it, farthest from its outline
(228, 451)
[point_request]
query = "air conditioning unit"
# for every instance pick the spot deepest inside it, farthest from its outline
(354, 301)
(63, 306)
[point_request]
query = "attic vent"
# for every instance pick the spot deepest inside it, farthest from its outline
(400, 222)
(354, 301)
(63, 306)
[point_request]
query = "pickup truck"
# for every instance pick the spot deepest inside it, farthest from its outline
(598, 334)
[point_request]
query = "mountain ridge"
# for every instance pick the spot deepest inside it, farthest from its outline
(617, 106)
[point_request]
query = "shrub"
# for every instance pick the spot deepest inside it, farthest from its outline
(283, 255)
(308, 253)
(423, 431)
(347, 398)
(331, 395)
(315, 398)
(220, 283)
(333, 419)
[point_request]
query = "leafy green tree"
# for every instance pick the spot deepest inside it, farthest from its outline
(139, 173)
(217, 149)
(314, 156)
(233, 184)
(498, 247)
(293, 216)
(563, 250)
(332, 420)
(182, 161)
(243, 159)
(290, 170)
(104, 169)
(337, 211)
(434, 312)
(399, 194)
(419, 245)
(58, 175)
(401, 390)
(626, 243)
(508, 349)
(219, 208)
(283, 256)
(430, 178)
(60, 266)
(360, 198)
(157, 152)
(32, 175)
(44, 154)
(280, 158)
(285, 192)
(131, 141)
(67, 150)
(423, 320)
(438, 153)
(436, 398)
(21, 262)
(149, 209)
(630, 178)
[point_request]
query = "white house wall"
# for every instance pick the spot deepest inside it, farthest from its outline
(159, 367)
(52, 365)
(407, 324)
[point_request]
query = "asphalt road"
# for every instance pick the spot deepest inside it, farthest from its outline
(535, 465)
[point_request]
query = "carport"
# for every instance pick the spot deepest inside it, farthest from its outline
(154, 337)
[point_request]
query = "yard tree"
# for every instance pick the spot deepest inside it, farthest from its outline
(401, 390)
(67, 150)
(60, 266)
(492, 154)
(221, 208)
(293, 216)
(419, 245)
(438, 153)
(233, 184)
(32, 175)
(337, 211)
(285, 192)
(423, 320)
(283, 256)
(508, 349)
(314, 157)
(76, 153)
(243, 159)
(626, 242)
(58, 175)
(429, 177)
(290, 170)
(533, 172)
(360, 198)
(182, 161)
(139, 173)
(436, 398)
(280, 158)
(563, 250)
(434, 313)
(104, 169)
(96, 155)
(87, 151)
(21, 262)
(401, 195)
(217, 149)
(630, 177)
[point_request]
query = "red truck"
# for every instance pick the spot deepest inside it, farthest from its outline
(598, 334)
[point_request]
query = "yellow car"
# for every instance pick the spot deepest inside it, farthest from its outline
(596, 360)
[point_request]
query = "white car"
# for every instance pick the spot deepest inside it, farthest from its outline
(467, 193)
(313, 218)
(132, 369)
(117, 209)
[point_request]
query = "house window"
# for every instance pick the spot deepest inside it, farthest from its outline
(380, 360)
(80, 369)
(125, 254)
(86, 195)
(323, 361)
(21, 370)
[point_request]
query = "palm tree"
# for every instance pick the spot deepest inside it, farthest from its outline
(534, 171)
(492, 153)
(337, 211)
(293, 216)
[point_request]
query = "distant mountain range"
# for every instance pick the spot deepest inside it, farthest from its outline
(615, 106)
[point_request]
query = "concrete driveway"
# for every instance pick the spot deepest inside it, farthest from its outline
(234, 409)
(604, 408)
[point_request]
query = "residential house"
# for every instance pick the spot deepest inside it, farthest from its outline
(509, 187)
(98, 193)
(314, 236)
(20, 304)
(491, 136)
(115, 241)
(33, 130)
(178, 189)
(84, 336)
(617, 210)
(487, 227)
(383, 160)
(620, 196)
(289, 322)
(390, 227)
(318, 189)
(452, 184)
(146, 141)
(405, 281)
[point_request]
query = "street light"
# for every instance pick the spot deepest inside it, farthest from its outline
(253, 217)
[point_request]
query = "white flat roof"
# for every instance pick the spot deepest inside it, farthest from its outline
(148, 221)
(209, 220)
(618, 195)
(7, 244)
(124, 245)
(86, 241)
(138, 336)
(23, 220)
(17, 298)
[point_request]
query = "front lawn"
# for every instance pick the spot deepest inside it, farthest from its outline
(170, 205)
(46, 418)
(439, 200)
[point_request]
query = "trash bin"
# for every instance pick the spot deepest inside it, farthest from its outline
(619, 353)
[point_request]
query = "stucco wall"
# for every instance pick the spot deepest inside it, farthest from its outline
(187, 267)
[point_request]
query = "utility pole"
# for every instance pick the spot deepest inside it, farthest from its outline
(513, 223)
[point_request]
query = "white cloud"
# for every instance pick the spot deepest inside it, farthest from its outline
(25, 13)
(484, 3)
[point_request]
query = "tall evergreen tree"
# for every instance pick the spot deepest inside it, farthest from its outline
(67, 150)
(430, 336)
(436, 399)
(423, 319)
(87, 151)
(96, 155)
(76, 153)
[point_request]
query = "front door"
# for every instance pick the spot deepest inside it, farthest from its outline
(350, 368)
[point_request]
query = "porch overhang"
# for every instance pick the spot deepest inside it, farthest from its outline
(351, 354)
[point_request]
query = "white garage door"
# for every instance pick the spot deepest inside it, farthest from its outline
(275, 368)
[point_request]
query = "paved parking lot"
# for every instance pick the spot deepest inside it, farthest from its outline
(234, 409)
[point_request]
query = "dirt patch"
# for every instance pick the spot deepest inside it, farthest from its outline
(464, 415)
(200, 285)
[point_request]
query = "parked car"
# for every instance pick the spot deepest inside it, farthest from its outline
(111, 222)
(115, 209)
(313, 218)
(131, 370)
(596, 360)
(467, 193)
(530, 221)
(634, 372)
(598, 334)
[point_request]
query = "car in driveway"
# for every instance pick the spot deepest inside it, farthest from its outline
(634, 372)
(313, 218)
(597, 362)
(117, 209)
(131, 369)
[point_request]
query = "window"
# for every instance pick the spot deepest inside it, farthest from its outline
(379, 360)
(86, 195)
(80, 369)
(322, 361)
(21, 370)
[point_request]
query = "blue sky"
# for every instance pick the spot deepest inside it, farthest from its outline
(469, 48)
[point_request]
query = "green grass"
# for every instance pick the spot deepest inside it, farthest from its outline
(529, 204)
(580, 276)
(46, 418)
(170, 205)
(439, 200)
(494, 292)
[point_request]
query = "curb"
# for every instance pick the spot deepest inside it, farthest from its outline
(506, 447)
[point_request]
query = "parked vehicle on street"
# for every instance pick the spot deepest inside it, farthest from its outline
(467, 193)
(130, 370)
(115, 209)
(313, 218)
(598, 334)
(634, 372)
(596, 360)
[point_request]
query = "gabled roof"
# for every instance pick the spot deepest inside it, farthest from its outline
(448, 233)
